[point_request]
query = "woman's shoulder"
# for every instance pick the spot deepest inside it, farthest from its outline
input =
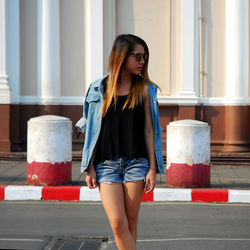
(98, 82)
(151, 87)
(147, 89)
(151, 84)
(97, 86)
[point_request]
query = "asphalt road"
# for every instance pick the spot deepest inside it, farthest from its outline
(35, 225)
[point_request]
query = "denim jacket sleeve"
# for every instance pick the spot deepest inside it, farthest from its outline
(81, 124)
(92, 121)
(156, 127)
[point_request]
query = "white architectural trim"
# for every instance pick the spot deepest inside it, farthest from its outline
(13, 48)
(207, 101)
(177, 100)
(224, 101)
(93, 41)
(162, 100)
(49, 88)
(237, 49)
(4, 88)
(189, 48)
(72, 100)
(28, 99)
(65, 100)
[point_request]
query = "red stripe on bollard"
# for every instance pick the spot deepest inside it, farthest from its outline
(62, 193)
(47, 173)
(147, 197)
(185, 175)
(2, 191)
(210, 195)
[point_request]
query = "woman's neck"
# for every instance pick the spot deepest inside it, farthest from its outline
(124, 83)
(125, 78)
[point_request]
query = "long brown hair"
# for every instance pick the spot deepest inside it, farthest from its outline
(123, 45)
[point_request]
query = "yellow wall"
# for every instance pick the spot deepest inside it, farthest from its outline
(150, 21)
(28, 47)
(213, 47)
(72, 47)
(175, 47)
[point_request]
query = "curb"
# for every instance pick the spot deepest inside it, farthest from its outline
(81, 193)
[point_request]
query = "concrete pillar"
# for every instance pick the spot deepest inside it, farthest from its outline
(49, 83)
(188, 153)
(237, 43)
(5, 97)
(189, 49)
(237, 75)
(13, 48)
(49, 150)
(4, 88)
(93, 40)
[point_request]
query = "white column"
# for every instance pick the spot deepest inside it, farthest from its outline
(4, 88)
(189, 49)
(13, 48)
(237, 51)
(93, 41)
(49, 89)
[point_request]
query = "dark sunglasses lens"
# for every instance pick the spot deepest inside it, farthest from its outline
(140, 56)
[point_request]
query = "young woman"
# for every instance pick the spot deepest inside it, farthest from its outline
(122, 150)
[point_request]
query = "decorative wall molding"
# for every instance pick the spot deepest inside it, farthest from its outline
(28, 99)
(177, 100)
(64, 100)
(224, 101)
(72, 100)
(162, 100)
(207, 101)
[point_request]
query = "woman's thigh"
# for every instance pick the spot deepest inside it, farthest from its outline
(112, 196)
(133, 192)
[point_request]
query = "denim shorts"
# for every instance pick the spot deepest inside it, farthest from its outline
(122, 170)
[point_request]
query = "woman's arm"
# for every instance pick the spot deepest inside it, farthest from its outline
(91, 174)
(149, 140)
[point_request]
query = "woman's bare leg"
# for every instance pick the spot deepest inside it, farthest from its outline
(133, 193)
(113, 201)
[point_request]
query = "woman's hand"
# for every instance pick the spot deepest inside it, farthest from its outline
(150, 180)
(91, 177)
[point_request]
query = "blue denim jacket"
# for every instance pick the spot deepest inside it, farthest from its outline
(90, 123)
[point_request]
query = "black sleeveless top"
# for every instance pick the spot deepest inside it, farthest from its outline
(122, 133)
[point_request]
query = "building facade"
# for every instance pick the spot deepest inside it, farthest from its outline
(50, 51)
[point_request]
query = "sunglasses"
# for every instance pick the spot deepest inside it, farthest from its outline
(139, 56)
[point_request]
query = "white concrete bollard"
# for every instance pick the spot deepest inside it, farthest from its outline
(49, 150)
(188, 153)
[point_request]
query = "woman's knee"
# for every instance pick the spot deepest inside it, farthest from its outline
(132, 221)
(119, 226)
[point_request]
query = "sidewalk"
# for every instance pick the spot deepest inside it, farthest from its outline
(224, 179)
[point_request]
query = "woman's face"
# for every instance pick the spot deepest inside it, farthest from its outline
(135, 60)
